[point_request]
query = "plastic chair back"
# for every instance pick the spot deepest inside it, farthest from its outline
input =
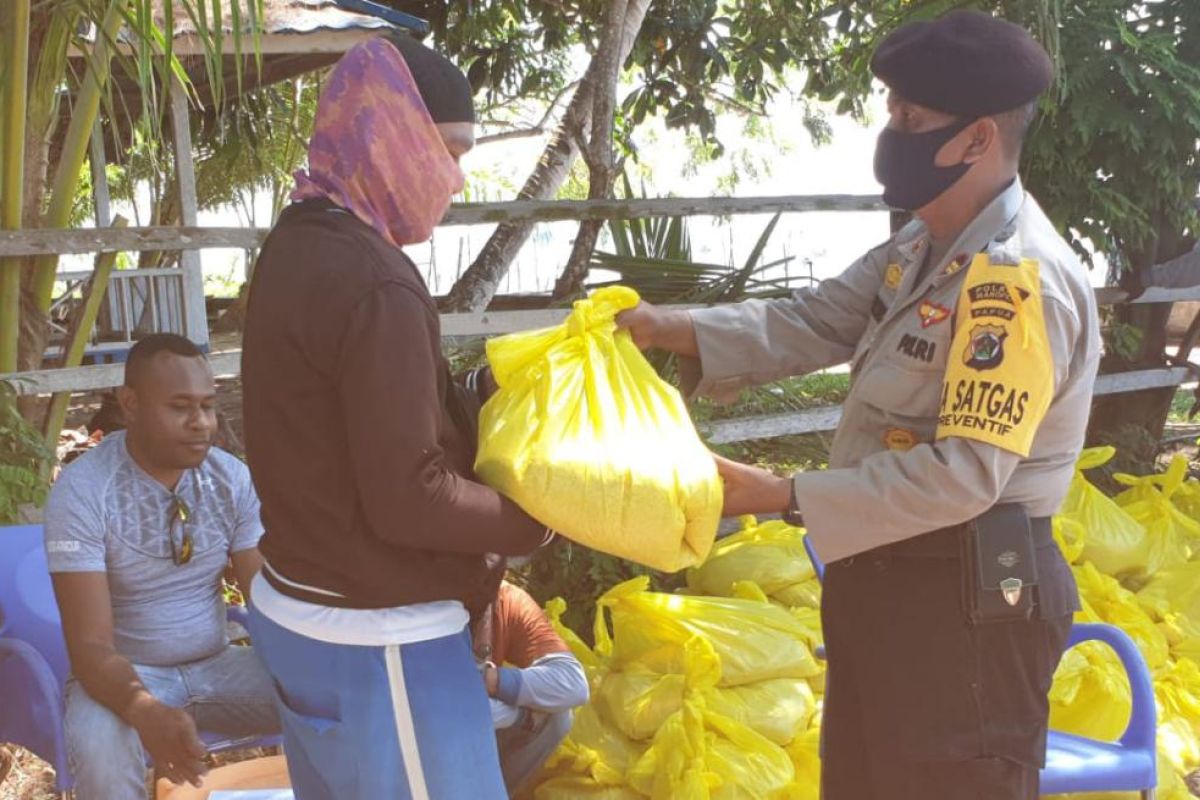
(818, 564)
(28, 609)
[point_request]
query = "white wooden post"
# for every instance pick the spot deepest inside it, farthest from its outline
(195, 319)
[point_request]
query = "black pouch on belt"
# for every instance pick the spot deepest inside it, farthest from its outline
(999, 566)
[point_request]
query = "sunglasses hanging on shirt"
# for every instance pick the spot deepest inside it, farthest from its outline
(181, 517)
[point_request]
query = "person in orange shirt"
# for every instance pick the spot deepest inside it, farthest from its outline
(532, 679)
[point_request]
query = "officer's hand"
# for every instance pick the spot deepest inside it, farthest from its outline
(751, 490)
(169, 735)
(667, 328)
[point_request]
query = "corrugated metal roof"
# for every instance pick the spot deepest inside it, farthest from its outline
(291, 21)
(282, 16)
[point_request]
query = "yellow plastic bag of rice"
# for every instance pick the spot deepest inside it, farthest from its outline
(699, 754)
(638, 702)
(1070, 537)
(586, 437)
(770, 554)
(754, 640)
(1177, 694)
(555, 608)
(1113, 540)
(1183, 636)
(1170, 533)
(779, 709)
(1187, 498)
(1105, 600)
(1172, 598)
(581, 787)
(805, 753)
(595, 750)
(800, 595)
(1090, 695)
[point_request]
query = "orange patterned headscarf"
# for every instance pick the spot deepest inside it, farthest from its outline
(375, 150)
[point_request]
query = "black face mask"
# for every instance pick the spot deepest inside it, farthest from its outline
(904, 165)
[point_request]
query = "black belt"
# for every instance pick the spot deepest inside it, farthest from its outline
(947, 542)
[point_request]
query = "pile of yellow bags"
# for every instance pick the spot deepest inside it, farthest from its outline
(701, 697)
(715, 693)
(584, 435)
(1133, 560)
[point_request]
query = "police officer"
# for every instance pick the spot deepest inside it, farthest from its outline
(973, 341)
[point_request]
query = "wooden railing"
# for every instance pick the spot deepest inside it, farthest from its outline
(468, 326)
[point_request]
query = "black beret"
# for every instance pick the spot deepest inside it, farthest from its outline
(966, 63)
(443, 86)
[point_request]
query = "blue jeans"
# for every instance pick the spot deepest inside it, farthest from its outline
(525, 746)
(228, 694)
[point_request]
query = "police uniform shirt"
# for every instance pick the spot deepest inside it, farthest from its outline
(971, 379)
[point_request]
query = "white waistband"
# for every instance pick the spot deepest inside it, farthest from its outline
(370, 627)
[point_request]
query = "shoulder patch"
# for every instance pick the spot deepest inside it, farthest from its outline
(1000, 375)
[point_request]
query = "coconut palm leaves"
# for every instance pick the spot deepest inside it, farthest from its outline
(653, 256)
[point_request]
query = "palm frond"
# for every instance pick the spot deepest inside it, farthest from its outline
(135, 38)
(655, 259)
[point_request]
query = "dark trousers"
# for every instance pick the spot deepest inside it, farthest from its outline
(919, 702)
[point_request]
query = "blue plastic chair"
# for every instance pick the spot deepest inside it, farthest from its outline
(33, 657)
(1078, 764)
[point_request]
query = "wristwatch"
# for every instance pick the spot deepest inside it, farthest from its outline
(791, 514)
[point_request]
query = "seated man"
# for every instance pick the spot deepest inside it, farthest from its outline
(138, 533)
(535, 687)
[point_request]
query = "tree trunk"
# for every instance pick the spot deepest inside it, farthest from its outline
(41, 125)
(599, 152)
(570, 283)
(1113, 416)
(476, 287)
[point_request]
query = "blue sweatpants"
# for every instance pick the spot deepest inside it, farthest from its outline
(404, 722)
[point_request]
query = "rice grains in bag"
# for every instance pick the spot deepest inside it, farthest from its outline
(585, 437)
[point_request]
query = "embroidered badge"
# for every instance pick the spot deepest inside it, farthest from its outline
(931, 313)
(994, 292)
(985, 348)
(993, 311)
(893, 275)
(899, 439)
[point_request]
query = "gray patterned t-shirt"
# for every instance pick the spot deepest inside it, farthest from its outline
(105, 514)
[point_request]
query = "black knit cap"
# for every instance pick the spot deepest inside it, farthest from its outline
(966, 63)
(442, 85)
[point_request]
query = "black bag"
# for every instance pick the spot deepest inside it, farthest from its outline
(999, 566)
